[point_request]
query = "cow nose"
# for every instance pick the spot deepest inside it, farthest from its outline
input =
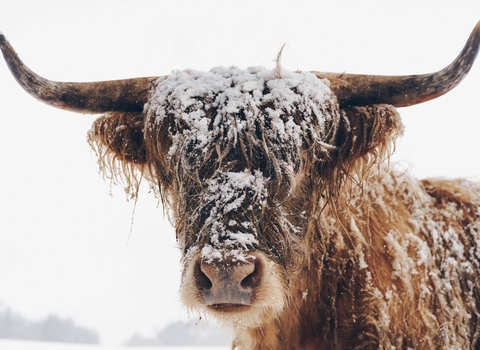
(227, 285)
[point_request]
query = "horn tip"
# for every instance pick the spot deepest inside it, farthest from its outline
(477, 28)
(3, 40)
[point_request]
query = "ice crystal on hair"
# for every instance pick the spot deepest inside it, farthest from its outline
(229, 193)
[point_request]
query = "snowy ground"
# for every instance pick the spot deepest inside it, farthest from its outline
(6, 344)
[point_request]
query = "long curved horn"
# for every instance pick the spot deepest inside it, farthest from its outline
(403, 91)
(127, 95)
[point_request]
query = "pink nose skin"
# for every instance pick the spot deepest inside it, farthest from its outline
(228, 286)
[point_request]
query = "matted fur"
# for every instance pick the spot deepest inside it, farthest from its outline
(361, 255)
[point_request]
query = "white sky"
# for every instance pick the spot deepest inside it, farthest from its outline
(66, 245)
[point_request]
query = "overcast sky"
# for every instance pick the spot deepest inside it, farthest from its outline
(67, 246)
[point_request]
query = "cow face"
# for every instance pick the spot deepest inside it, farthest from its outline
(232, 148)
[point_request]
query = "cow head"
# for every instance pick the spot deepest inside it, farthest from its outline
(245, 161)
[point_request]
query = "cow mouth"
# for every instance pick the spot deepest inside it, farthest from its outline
(229, 307)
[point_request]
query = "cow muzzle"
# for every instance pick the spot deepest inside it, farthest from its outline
(227, 285)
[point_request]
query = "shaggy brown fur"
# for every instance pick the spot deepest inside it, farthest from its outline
(364, 256)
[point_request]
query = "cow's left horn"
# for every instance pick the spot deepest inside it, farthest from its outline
(127, 95)
(402, 91)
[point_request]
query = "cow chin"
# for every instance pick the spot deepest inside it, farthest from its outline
(240, 290)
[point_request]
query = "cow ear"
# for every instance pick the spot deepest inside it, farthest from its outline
(366, 136)
(368, 132)
(118, 141)
(119, 135)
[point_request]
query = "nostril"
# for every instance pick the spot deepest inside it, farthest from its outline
(253, 279)
(201, 279)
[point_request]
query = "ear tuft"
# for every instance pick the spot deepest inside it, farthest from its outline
(365, 138)
(121, 134)
(118, 141)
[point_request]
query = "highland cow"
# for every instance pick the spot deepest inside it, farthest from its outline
(294, 228)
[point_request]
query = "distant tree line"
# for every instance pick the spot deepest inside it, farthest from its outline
(184, 334)
(52, 328)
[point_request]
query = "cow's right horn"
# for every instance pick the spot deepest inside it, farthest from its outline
(407, 90)
(127, 95)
